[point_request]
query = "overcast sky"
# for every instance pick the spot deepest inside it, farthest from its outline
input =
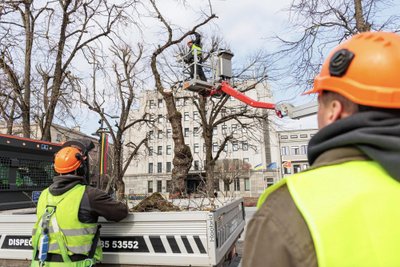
(245, 25)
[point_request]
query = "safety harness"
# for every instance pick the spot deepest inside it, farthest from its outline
(42, 244)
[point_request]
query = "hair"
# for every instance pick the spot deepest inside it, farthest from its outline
(348, 105)
(351, 107)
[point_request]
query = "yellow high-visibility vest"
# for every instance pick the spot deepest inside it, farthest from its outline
(352, 211)
(67, 235)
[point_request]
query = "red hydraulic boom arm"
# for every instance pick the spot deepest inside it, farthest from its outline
(227, 89)
(281, 110)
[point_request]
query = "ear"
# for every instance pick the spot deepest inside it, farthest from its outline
(334, 111)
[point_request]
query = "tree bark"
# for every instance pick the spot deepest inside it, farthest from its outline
(361, 24)
(182, 160)
(26, 103)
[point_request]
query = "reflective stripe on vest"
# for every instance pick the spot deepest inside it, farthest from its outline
(352, 211)
(197, 49)
(77, 236)
(72, 232)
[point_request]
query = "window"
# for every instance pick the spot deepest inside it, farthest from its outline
(150, 186)
(204, 148)
(169, 186)
(304, 166)
(151, 135)
(150, 167)
(150, 151)
(246, 184)
(160, 118)
(303, 149)
(285, 151)
(160, 103)
(287, 170)
(196, 148)
(246, 160)
(216, 185)
(159, 186)
(233, 127)
(224, 128)
(311, 135)
(215, 147)
(186, 101)
(159, 150)
(169, 133)
(179, 102)
(186, 132)
(270, 181)
(196, 131)
(159, 134)
(169, 149)
(215, 130)
(303, 135)
(186, 116)
(152, 104)
(159, 167)
(237, 184)
(226, 147)
(284, 137)
(196, 165)
(58, 138)
(294, 136)
(226, 187)
(295, 150)
(195, 115)
(245, 146)
(169, 166)
(235, 146)
(296, 168)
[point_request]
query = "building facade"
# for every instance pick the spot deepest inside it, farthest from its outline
(293, 145)
(254, 144)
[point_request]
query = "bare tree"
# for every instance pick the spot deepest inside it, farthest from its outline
(229, 170)
(8, 109)
(216, 111)
(321, 25)
(49, 35)
(182, 155)
(125, 84)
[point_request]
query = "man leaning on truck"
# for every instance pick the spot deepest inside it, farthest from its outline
(344, 210)
(66, 232)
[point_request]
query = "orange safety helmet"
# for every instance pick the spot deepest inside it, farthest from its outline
(364, 69)
(67, 160)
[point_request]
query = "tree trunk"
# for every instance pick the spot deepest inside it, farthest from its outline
(26, 103)
(117, 176)
(361, 24)
(210, 162)
(182, 155)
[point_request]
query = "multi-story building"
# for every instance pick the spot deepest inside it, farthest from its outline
(151, 170)
(293, 146)
(58, 133)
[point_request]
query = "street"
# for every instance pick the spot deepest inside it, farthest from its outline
(249, 211)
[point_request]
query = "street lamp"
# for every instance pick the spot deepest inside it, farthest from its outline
(103, 144)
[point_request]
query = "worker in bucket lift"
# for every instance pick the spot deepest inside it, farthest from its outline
(344, 210)
(66, 232)
(195, 50)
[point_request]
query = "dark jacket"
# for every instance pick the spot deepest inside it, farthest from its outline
(278, 235)
(94, 202)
